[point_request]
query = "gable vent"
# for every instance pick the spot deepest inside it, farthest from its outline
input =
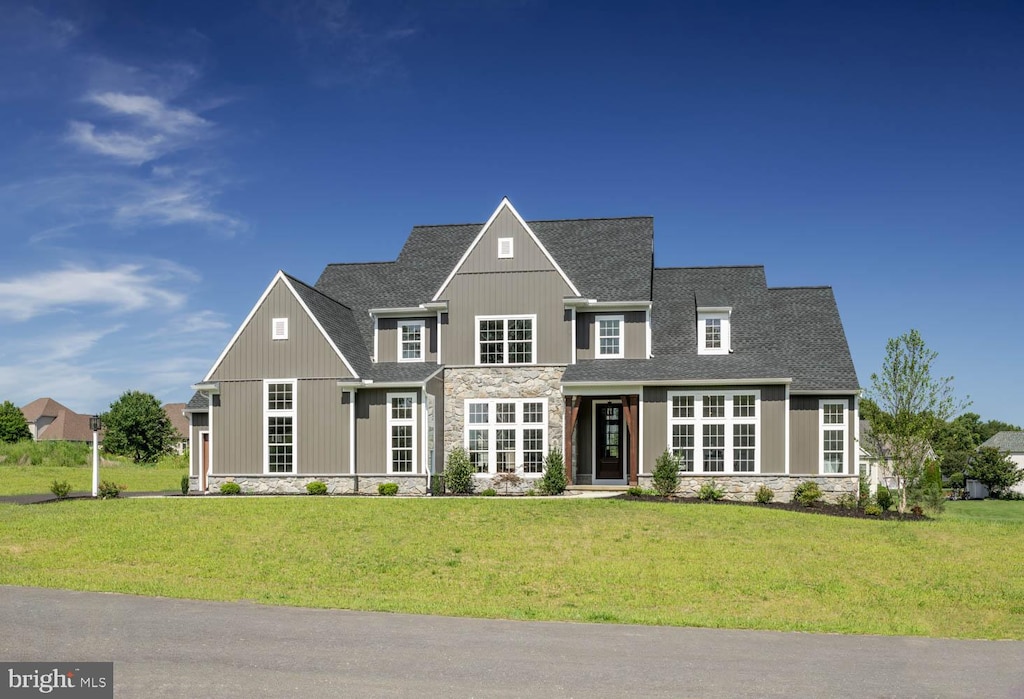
(504, 247)
(280, 329)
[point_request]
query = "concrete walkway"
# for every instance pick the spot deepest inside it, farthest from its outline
(182, 648)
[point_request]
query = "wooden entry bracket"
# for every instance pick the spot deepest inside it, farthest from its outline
(631, 410)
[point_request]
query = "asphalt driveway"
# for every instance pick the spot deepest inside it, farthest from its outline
(181, 648)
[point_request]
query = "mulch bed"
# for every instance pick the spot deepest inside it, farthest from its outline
(819, 509)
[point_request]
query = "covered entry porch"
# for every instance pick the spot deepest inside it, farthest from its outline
(602, 439)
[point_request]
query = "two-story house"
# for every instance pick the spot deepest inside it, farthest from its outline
(511, 338)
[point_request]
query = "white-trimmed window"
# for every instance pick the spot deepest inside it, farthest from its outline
(279, 329)
(507, 435)
(411, 335)
(715, 431)
(714, 335)
(608, 332)
(506, 247)
(401, 433)
(279, 425)
(833, 435)
(506, 339)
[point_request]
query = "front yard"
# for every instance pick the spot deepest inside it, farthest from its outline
(570, 560)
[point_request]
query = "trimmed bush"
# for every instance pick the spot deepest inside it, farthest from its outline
(873, 509)
(230, 488)
(61, 489)
(387, 489)
(807, 494)
(884, 498)
(665, 476)
(184, 485)
(764, 495)
(489, 492)
(316, 488)
(635, 490)
(709, 491)
(553, 481)
(458, 473)
(109, 490)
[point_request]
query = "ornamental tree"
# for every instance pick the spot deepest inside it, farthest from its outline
(137, 426)
(995, 469)
(910, 401)
(13, 427)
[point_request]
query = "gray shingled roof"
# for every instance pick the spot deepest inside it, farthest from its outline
(1010, 441)
(579, 246)
(198, 403)
(338, 322)
(404, 372)
(776, 333)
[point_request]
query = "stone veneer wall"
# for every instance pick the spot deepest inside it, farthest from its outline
(501, 382)
(743, 487)
(336, 485)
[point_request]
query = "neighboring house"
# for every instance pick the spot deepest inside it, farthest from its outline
(1012, 442)
(875, 461)
(49, 420)
(510, 339)
(176, 414)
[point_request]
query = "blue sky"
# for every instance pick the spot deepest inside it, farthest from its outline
(159, 164)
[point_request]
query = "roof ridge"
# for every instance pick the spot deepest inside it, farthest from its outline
(353, 264)
(712, 267)
(797, 288)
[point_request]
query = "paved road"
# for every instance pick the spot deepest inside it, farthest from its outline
(181, 648)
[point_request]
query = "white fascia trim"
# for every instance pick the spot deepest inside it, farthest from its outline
(785, 447)
(375, 330)
(437, 337)
(617, 305)
(715, 309)
(409, 311)
(351, 430)
(572, 387)
(572, 312)
(647, 322)
(210, 387)
(603, 390)
(505, 203)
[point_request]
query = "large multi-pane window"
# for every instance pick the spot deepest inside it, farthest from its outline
(506, 435)
(401, 433)
(508, 340)
(715, 431)
(609, 336)
(410, 340)
(279, 426)
(833, 436)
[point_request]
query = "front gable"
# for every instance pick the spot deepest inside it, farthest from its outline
(281, 338)
(505, 244)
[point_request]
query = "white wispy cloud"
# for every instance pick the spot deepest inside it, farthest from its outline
(152, 111)
(175, 203)
(123, 288)
(134, 149)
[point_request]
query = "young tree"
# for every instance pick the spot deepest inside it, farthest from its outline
(137, 426)
(13, 427)
(995, 469)
(910, 401)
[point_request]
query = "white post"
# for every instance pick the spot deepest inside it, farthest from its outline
(95, 463)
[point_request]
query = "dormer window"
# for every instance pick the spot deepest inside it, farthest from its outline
(713, 331)
(609, 336)
(410, 340)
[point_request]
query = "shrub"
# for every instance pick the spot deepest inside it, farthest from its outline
(933, 497)
(709, 490)
(847, 501)
(458, 473)
(872, 509)
(61, 489)
(666, 474)
(635, 490)
(316, 488)
(553, 481)
(764, 495)
(863, 490)
(230, 488)
(184, 485)
(110, 489)
(807, 494)
(489, 492)
(507, 480)
(884, 498)
(530, 492)
(387, 489)
(437, 484)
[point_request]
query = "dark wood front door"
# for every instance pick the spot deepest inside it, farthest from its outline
(608, 442)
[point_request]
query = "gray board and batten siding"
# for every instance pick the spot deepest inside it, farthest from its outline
(372, 439)
(805, 434)
(305, 354)
(634, 333)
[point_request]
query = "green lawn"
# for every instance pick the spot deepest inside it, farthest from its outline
(22, 479)
(573, 560)
(1008, 511)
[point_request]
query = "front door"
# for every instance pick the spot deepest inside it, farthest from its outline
(608, 442)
